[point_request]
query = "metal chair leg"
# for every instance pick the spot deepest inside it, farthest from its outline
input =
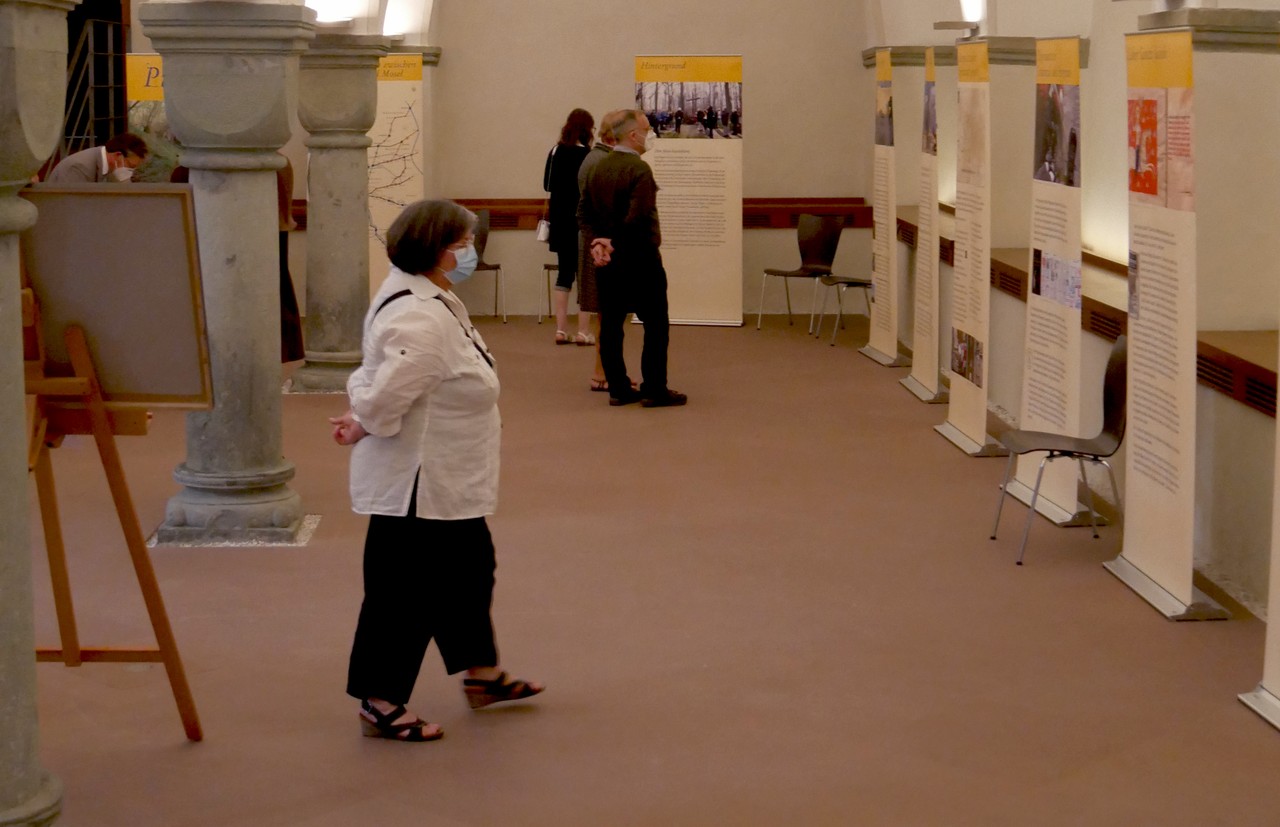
(501, 286)
(835, 330)
(822, 314)
(1031, 509)
(760, 314)
(786, 286)
(813, 305)
(1115, 489)
(1088, 493)
(1008, 472)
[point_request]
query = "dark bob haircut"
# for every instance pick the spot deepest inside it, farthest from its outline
(577, 128)
(421, 233)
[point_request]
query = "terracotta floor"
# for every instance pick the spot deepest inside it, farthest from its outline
(776, 606)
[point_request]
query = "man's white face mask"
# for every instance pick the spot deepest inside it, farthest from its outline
(121, 174)
(650, 140)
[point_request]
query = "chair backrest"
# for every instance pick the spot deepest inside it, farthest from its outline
(1115, 392)
(819, 236)
(481, 233)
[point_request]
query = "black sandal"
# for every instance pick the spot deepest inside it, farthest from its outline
(481, 693)
(384, 725)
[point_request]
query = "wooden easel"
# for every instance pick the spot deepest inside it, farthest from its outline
(62, 406)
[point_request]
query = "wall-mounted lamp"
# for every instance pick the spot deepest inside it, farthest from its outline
(1173, 5)
(339, 12)
(408, 19)
(973, 11)
(406, 22)
(978, 17)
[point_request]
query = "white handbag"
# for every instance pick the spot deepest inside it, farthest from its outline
(544, 230)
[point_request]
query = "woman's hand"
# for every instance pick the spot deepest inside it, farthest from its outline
(346, 431)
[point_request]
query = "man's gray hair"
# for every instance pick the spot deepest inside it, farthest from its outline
(629, 119)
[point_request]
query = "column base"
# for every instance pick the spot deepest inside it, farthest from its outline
(245, 515)
(42, 808)
(323, 373)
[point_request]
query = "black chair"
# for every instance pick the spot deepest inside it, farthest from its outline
(818, 238)
(482, 240)
(1095, 449)
(842, 283)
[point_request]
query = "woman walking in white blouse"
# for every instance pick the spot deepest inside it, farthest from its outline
(425, 429)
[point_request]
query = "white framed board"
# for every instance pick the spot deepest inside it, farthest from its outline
(121, 261)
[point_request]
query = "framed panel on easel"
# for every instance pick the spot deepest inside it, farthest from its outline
(121, 261)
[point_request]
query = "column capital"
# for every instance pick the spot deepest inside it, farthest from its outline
(430, 54)
(55, 6)
(338, 89)
(230, 72)
(331, 50)
(220, 27)
(33, 58)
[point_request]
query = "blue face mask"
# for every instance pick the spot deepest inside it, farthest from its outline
(466, 259)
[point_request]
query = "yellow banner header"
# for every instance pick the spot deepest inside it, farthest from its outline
(400, 67)
(1161, 60)
(689, 68)
(974, 64)
(143, 77)
(884, 65)
(1058, 61)
(930, 66)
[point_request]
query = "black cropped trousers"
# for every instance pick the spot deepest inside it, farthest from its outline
(424, 580)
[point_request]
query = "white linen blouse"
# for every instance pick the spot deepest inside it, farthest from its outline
(428, 398)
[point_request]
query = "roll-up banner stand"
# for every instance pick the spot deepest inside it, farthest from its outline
(925, 379)
(883, 344)
(694, 106)
(1051, 370)
(966, 425)
(1160, 458)
(1264, 699)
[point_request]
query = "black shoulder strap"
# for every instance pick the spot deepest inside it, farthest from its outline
(484, 354)
(401, 294)
(546, 170)
(389, 299)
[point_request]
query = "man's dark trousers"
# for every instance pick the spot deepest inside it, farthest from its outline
(647, 296)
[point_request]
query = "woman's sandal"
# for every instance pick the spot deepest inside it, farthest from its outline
(602, 386)
(481, 693)
(584, 340)
(384, 725)
(562, 338)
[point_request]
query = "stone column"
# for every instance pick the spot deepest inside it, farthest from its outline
(33, 59)
(337, 104)
(431, 163)
(230, 88)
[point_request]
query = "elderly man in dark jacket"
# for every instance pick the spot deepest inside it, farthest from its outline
(619, 213)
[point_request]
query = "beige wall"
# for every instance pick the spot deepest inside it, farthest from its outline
(510, 73)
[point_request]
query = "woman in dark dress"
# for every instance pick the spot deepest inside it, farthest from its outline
(560, 178)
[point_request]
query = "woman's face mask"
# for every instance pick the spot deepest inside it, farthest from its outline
(465, 261)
